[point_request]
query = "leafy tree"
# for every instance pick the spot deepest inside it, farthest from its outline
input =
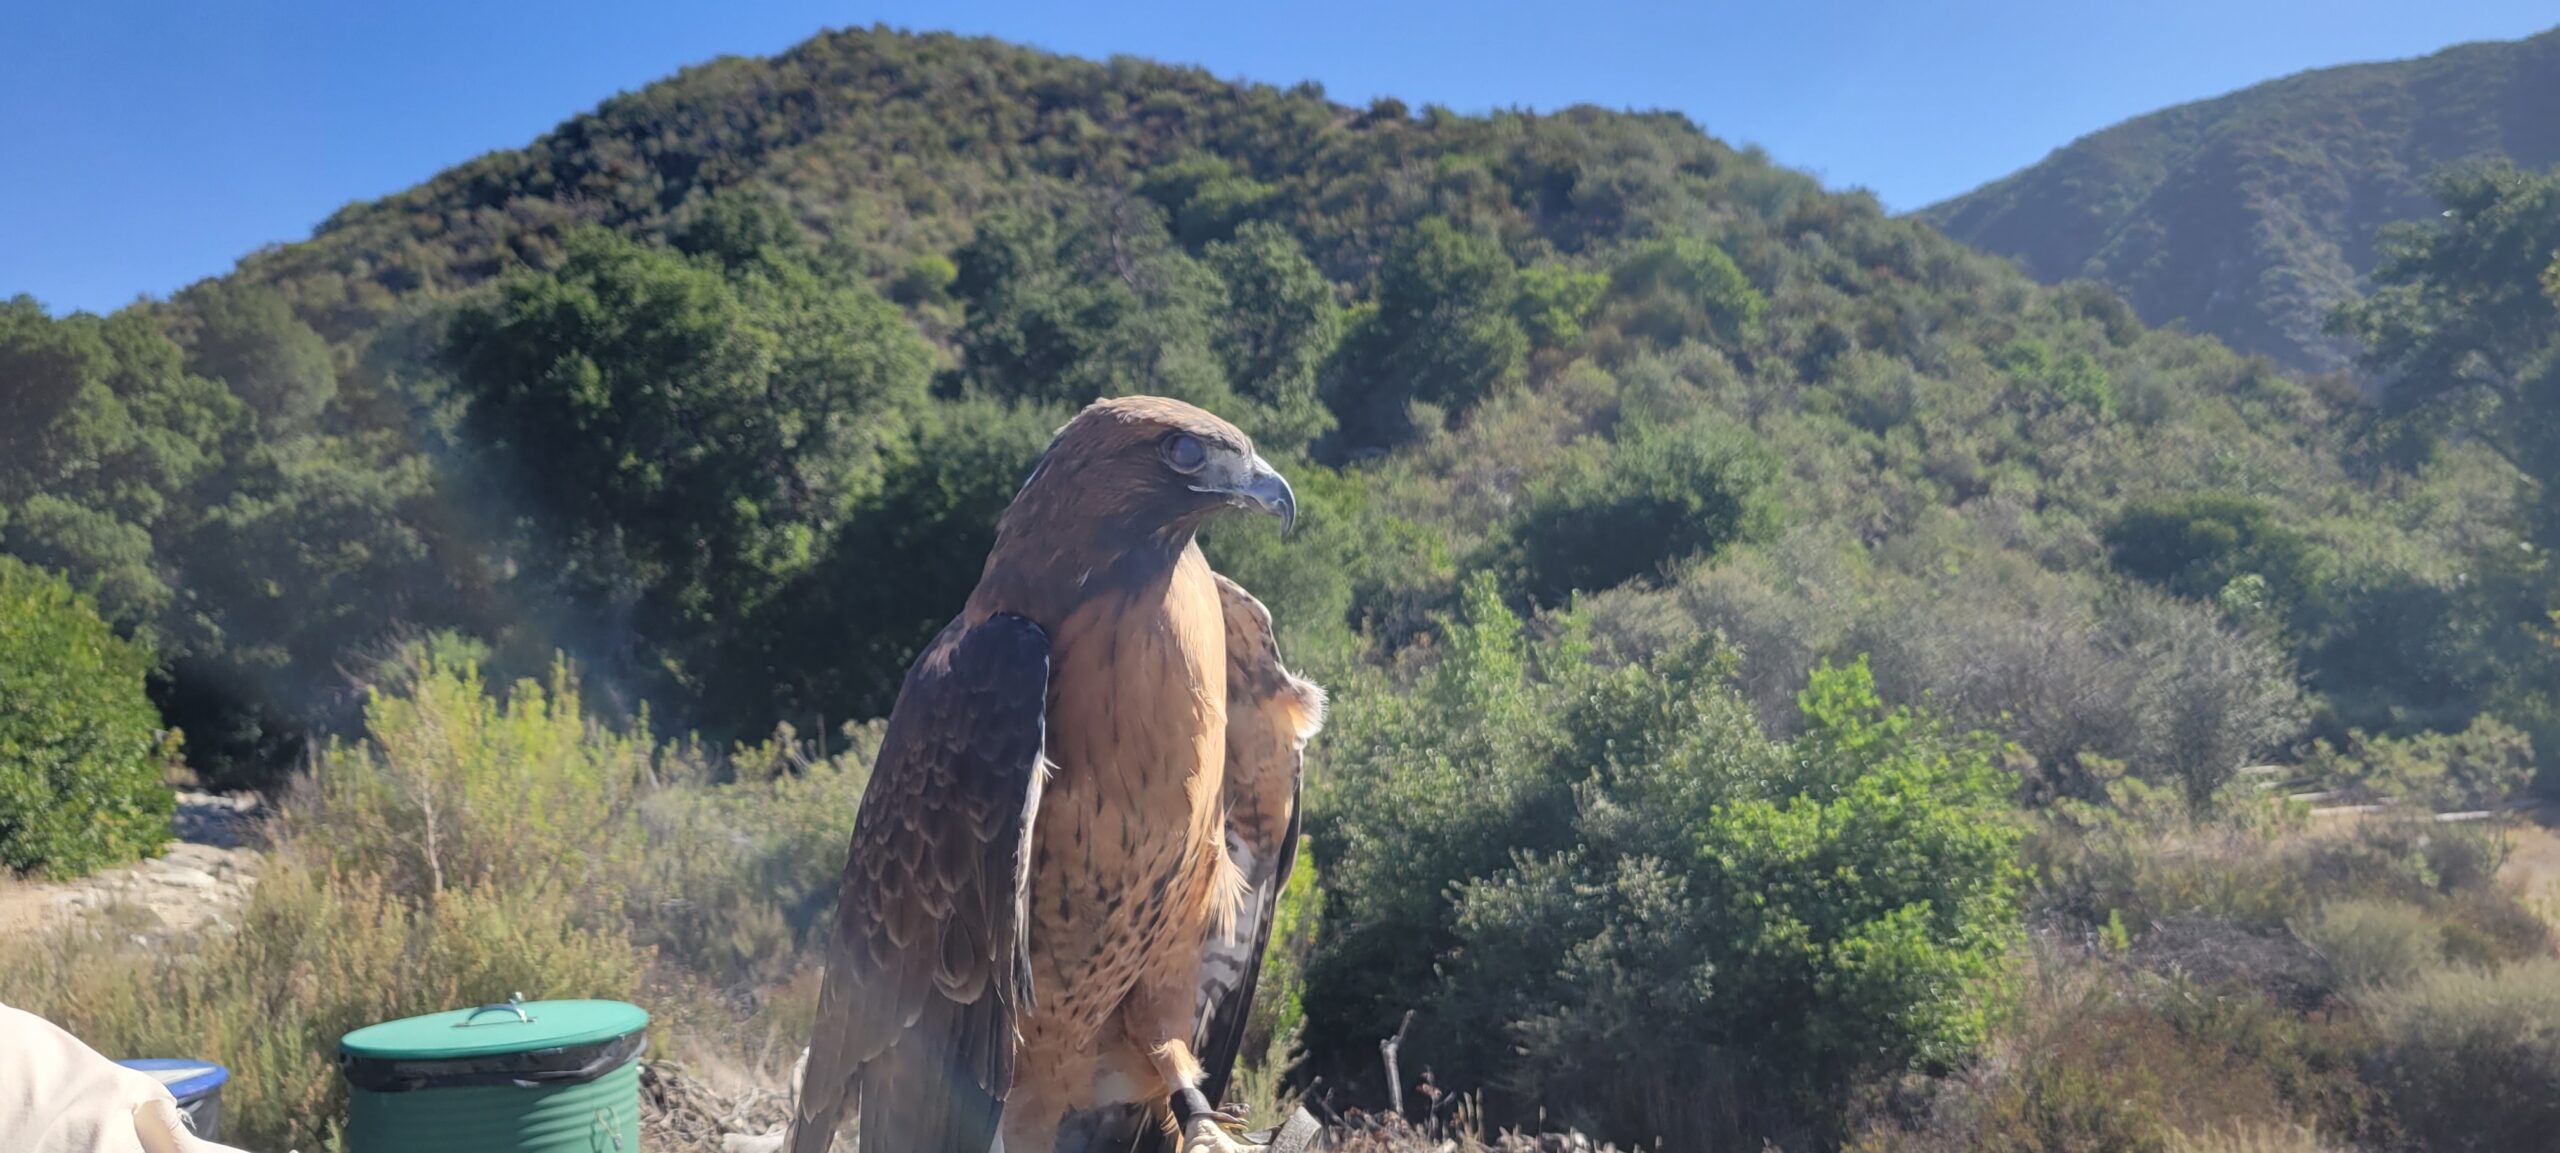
(115, 559)
(742, 229)
(320, 548)
(1554, 300)
(247, 337)
(1278, 326)
(1206, 197)
(1684, 288)
(926, 280)
(2074, 377)
(1787, 919)
(2461, 323)
(2485, 766)
(1420, 790)
(838, 642)
(2398, 653)
(1092, 302)
(2196, 544)
(1871, 895)
(102, 434)
(1442, 334)
(687, 436)
(250, 549)
(81, 750)
(1653, 499)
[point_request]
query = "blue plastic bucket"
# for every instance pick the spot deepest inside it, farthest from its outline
(196, 1084)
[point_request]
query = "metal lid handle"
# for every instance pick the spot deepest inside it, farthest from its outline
(513, 1005)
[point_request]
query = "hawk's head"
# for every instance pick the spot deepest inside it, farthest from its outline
(1137, 468)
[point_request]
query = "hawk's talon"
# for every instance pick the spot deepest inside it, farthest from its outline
(1217, 1133)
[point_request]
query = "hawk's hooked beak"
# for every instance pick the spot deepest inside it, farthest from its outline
(1263, 489)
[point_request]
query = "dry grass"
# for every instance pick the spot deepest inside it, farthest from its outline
(24, 907)
(2533, 860)
(472, 847)
(1461, 1135)
(317, 953)
(2248, 1138)
(2471, 1056)
(2371, 944)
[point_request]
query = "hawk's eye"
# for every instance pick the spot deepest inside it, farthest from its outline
(1184, 454)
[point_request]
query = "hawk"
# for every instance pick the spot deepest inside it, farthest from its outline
(1085, 805)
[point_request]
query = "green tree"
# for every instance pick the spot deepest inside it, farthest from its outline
(102, 435)
(688, 435)
(2074, 377)
(319, 548)
(1419, 791)
(1872, 895)
(1849, 915)
(2460, 323)
(1554, 300)
(1441, 333)
(1206, 197)
(839, 641)
(1279, 325)
(81, 750)
(247, 337)
(1092, 302)
(1603, 887)
(1684, 288)
(1657, 497)
(2197, 544)
(740, 229)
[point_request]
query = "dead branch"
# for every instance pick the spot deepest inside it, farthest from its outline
(1387, 1051)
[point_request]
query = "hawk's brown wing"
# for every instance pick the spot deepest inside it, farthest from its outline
(1271, 714)
(928, 966)
(1220, 1040)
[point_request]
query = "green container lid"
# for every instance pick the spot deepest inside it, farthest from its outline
(522, 1027)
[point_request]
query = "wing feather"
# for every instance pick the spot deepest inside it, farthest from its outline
(929, 967)
(1271, 714)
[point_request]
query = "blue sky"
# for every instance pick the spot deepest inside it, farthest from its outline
(145, 144)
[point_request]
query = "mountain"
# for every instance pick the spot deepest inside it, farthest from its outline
(1665, 519)
(969, 222)
(2251, 215)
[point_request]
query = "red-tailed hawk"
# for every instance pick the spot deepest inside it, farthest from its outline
(1085, 805)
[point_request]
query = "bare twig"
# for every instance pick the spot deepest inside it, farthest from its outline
(1322, 1104)
(1387, 1052)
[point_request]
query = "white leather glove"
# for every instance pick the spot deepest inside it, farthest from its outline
(59, 1096)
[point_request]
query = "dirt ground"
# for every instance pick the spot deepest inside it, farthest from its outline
(204, 876)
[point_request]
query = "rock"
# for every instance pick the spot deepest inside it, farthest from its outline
(183, 876)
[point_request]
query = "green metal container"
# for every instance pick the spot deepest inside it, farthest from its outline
(523, 1077)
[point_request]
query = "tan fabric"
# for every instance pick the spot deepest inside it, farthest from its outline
(59, 1096)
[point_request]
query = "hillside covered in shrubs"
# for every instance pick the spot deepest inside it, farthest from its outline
(2252, 215)
(1793, 673)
